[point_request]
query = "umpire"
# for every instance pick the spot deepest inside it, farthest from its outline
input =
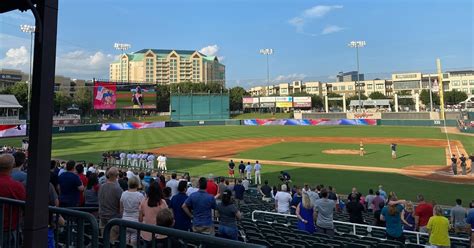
(454, 164)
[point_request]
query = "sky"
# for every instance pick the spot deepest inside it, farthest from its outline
(309, 38)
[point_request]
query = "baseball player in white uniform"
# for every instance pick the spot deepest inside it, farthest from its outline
(257, 168)
(163, 162)
(134, 160)
(122, 158)
(151, 159)
(248, 170)
(129, 159)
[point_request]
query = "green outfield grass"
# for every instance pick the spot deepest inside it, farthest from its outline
(376, 155)
(124, 99)
(89, 146)
(405, 187)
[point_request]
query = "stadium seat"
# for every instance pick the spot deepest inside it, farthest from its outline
(357, 245)
(321, 245)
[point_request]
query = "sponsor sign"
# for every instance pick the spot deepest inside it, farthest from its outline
(302, 102)
(302, 99)
(250, 100)
(284, 104)
(371, 116)
(267, 105)
(267, 99)
(283, 99)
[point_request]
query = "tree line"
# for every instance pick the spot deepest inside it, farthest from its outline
(83, 96)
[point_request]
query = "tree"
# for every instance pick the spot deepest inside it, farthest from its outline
(235, 97)
(316, 101)
(83, 99)
(377, 95)
(62, 101)
(454, 97)
(162, 98)
(405, 101)
(334, 103)
(425, 97)
(20, 91)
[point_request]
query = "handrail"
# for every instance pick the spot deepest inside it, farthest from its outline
(82, 217)
(123, 224)
(354, 225)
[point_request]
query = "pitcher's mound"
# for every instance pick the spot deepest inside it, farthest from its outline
(341, 151)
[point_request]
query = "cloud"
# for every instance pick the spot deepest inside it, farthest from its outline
(211, 50)
(290, 77)
(84, 64)
(315, 12)
(15, 58)
(9, 41)
(331, 29)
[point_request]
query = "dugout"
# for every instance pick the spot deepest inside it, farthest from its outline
(199, 107)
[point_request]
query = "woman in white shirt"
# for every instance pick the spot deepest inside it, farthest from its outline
(129, 207)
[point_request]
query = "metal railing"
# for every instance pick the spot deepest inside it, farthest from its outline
(354, 226)
(105, 165)
(183, 237)
(69, 227)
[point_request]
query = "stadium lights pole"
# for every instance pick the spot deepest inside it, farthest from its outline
(29, 29)
(122, 47)
(267, 52)
(357, 45)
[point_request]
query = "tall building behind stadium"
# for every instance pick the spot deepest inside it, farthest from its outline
(163, 66)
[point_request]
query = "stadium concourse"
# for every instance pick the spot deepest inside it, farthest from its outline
(284, 215)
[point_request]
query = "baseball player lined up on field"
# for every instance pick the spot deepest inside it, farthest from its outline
(393, 147)
(248, 171)
(257, 168)
(150, 159)
(361, 149)
(231, 168)
(162, 162)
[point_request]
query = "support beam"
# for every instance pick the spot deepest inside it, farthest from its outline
(39, 152)
(395, 98)
(326, 106)
(441, 89)
(344, 102)
(417, 102)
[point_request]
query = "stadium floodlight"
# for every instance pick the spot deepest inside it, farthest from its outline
(267, 52)
(122, 47)
(358, 44)
(31, 30)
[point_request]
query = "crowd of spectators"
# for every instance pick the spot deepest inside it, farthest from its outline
(192, 204)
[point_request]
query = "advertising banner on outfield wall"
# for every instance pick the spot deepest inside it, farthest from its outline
(302, 101)
(284, 104)
(267, 99)
(310, 122)
(375, 116)
(267, 105)
(12, 130)
(131, 125)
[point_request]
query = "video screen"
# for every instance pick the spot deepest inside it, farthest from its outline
(12, 130)
(124, 96)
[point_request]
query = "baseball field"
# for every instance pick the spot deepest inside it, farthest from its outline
(124, 100)
(311, 154)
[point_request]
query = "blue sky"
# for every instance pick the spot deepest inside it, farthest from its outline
(309, 38)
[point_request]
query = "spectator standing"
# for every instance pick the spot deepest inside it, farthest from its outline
(470, 219)
(377, 220)
(257, 168)
(296, 200)
(221, 187)
(368, 201)
(62, 168)
(274, 191)
(325, 211)
(102, 178)
(173, 184)
(458, 217)
(423, 212)
(149, 209)
(211, 187)
(91, 192)
(167, 195)
(246, 184)
(377, 200)
(53, 175)
(354, 193)
(355, 210)
(438, 228)
(83, 178)
(248, 171)
(192, 187)
(391, 215)
(241, 169)
(408, 217)
(129, 207)
(17, 173)
(182, 220)
(305, 214)
(266, 192)
(198, 207)
(109, 200)
(165, 218)
(383, 194)
(239, 190)
(12, 189)
(282, 200)
(122, 181)
(228, 214)
(70, 187)
(144, 184)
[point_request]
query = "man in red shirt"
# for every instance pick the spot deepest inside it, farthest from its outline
(423, 212)
(9, 188)
(211, 186)
(84, 180)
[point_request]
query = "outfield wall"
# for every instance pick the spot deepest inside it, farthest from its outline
(383, 116)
